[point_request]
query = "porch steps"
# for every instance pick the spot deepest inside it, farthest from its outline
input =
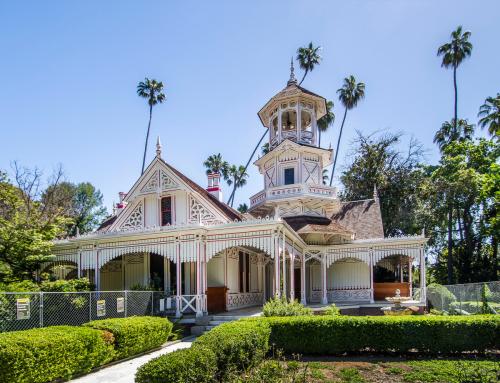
(207, 323)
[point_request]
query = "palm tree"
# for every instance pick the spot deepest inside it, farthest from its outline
(308, 58)
(215, 164)
(326, 121)
(453, 54)
(325, 176)
(243, 208)
(237, 176)
(151, 90)
(349, 95)
(450, 132)
(490, 113)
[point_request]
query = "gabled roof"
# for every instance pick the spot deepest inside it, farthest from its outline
(362, 217)
(228, 211)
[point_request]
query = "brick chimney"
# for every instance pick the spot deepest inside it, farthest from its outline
(214, 186)
(120, 205)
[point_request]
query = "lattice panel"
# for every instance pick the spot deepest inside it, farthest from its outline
(135, 219)
(152, 184)
(167, 182)
(270, 177)
(199, 213)
(310, 172)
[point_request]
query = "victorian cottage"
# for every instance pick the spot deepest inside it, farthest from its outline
(298, 239)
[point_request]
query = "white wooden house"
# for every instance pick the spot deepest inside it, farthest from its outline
(298, 239)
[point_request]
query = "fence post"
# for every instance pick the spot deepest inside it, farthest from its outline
(152, 304)
(90, 306)
(41, 308)
(126, 303)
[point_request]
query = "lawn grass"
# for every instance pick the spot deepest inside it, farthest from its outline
(412, 371)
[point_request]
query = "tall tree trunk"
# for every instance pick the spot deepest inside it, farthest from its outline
(338, 145)
(450, 244)
(303, 77)
(231, 198)
(456, 96)
(147, 138)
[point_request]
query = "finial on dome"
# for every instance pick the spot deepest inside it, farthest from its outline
(292, 79)
(158, 147)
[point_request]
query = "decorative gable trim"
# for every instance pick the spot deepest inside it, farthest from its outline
(167, 183)
(199, 213)
(135, 220)
(152, 184)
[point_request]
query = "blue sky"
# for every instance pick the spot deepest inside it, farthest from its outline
(69, 72)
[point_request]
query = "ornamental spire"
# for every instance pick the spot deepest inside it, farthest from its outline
(158, 147)
(292, 79)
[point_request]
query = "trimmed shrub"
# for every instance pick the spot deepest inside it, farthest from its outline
(439, 296)
(332, 310)
(195, 364)
(430, 334)
(237, 345)
(281, 307)
(45, 354)
(134, 335)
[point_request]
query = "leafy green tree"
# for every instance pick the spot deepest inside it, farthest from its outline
(490, 115)
(237, 176)
(397, 174)
(326, 121)
(151, 90)
(27, 227)
(265, 148)
(308, 57)
(215, 164)
(349, 95)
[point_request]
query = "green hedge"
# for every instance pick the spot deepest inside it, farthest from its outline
(237, 345)
(196, 365)
(134, 335)
(45, 354)
(227, 349)
(335, 335)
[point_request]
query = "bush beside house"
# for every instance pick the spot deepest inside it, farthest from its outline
(134, 335)
(45, 354)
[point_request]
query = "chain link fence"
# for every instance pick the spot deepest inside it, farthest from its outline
(469, 298)
(22, 311)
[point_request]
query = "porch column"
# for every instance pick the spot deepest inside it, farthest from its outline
(324, 295)
(303, 295)
(372, 299)
(263, 278)
(178, 282)
(79, 264)
(97, 276)
(410, 276)
(199, 311)
(292, 276)
(276, 267)
(284, 266)
(423, 295)
(204, 274)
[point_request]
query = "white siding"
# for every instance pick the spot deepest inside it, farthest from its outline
(215, 272)
(348, 275)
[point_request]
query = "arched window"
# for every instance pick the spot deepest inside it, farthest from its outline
(288, 120)
(306, 121)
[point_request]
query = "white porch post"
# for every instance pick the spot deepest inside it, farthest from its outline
(204, 274)
(292, 276)
(303, 295)
(423, 295)
(372, 299)
(410, 275)
(79, 264)
(199, 311)
(97, 276)
(276, 267)
(284, 266)
(324, 296)
(178, 282)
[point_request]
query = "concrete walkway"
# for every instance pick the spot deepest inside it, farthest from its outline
(124, 372)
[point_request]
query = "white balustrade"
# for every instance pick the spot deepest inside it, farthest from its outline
(279, 192)
(240, 300)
